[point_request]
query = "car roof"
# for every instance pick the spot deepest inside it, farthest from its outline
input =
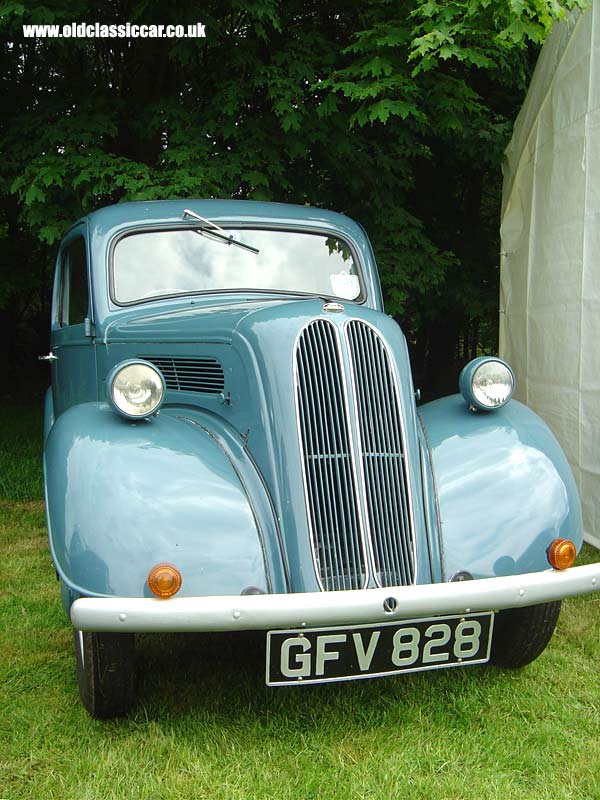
(156, 211)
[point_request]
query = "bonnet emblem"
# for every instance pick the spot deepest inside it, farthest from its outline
(333, 308)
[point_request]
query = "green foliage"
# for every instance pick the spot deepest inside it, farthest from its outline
(479, 33)
(395, 113)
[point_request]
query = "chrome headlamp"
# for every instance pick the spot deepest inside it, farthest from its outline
(135, 389)
(487, 383)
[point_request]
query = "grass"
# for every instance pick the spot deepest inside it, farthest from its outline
(20, 453)
(207, 727)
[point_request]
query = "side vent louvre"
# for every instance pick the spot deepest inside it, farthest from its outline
(203, 375)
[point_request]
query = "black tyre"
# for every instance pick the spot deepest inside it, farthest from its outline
(105, 672)
(521, 634)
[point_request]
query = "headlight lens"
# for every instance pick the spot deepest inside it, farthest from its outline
(492, 384)
(136, 389)
(487, 383)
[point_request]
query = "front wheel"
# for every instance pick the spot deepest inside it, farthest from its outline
(105, 672)
(521, 634)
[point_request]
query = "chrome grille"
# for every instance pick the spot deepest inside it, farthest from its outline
(382, 456)
(330, 483)
(203, 375)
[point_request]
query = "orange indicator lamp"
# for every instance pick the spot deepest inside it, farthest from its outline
(562, 554)
(164, 580)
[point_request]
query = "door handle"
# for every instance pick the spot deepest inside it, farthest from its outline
(49, 357)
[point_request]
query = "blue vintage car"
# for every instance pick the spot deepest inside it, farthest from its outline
(232, 442)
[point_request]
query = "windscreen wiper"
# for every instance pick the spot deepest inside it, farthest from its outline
(212, 229)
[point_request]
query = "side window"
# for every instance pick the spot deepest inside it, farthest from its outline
(74, 295)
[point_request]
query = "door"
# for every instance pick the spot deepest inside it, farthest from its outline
(74, 367)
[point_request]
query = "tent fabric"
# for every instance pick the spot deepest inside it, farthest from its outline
(550, 250)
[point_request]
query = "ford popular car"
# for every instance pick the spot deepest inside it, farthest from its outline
(232, 442)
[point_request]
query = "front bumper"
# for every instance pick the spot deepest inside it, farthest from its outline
(327, 609)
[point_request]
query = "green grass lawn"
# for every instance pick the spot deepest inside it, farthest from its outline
(207, 727)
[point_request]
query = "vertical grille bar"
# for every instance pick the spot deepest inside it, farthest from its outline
(383, 457)
(327, 458)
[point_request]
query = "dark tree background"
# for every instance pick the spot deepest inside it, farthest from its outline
(396, 113)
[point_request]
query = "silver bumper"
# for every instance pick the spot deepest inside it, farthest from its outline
(321, 609)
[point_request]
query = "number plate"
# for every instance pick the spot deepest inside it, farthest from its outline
(318, 655)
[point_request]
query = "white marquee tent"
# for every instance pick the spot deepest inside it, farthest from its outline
(550, 261)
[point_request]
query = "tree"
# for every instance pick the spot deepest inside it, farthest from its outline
(396, 113)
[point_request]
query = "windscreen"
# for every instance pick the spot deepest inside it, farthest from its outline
(153, 264)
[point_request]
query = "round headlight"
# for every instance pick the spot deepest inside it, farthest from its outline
(487, 383)
(136, 389)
